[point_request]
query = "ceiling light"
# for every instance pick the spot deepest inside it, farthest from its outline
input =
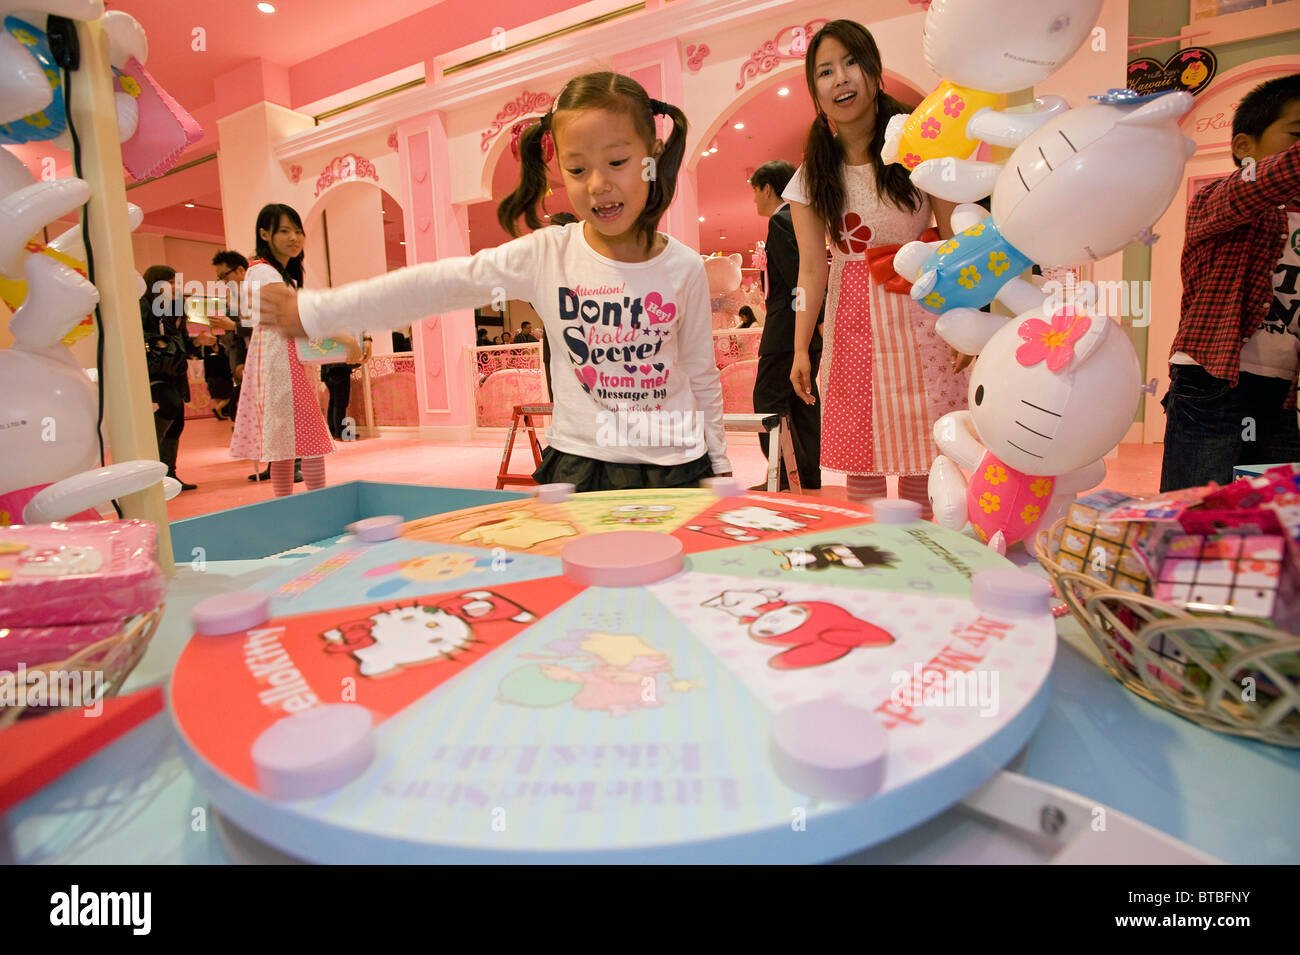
(266, 8)
(714, 149)
(189, 205)
(403, 242)
(701, 218)
(783, 91)
(739, 126)
(705, 153)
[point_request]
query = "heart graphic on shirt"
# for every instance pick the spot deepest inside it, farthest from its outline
(660, 314)
(587, 376)
(591, 311)
(629, 368)
(645, 369)
(658, 366)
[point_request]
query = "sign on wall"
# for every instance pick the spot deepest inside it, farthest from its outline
(1190, 70)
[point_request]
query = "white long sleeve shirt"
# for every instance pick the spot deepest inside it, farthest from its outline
(630, 336)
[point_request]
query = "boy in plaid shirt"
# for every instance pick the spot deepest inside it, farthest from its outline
(1233, 369)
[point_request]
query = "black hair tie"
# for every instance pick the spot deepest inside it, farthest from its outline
(658, 107)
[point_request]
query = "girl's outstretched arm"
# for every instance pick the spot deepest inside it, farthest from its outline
(407, 295)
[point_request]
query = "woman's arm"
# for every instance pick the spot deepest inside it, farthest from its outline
(810, 233)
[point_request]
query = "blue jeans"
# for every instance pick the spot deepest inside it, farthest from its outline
(1210, 426)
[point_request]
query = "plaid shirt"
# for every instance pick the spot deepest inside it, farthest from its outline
(1236, 233)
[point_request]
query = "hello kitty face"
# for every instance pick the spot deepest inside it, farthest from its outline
(781, 621)
(760, 519)
(1045, 200)
(1041, 421)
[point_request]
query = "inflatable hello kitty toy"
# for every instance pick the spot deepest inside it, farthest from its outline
(984, 49)
(724, 288)
(1050, 395)
(152, 128)
(1086, 184)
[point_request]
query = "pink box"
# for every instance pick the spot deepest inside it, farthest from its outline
(59, 574)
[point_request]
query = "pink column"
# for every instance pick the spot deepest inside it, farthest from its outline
(658, 67)
(436, 229)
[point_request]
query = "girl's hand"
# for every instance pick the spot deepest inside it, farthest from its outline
(278, 310)
(801, 377)
(960, 361)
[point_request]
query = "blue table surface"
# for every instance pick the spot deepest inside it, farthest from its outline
(135, 802)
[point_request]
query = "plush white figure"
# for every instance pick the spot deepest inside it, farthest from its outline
(723, 272)
(984, 49)
(1107, 171)
(1050, 395)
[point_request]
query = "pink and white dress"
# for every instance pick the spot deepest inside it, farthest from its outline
(279, 416)
(886, 375)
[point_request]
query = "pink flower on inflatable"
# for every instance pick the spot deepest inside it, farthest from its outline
(930, 129)
(911, 160)
(1053, 342)
(953, 105)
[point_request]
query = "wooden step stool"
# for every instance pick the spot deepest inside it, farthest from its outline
(526, 414)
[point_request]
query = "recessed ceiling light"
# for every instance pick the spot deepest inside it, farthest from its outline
(701, 218)
(189, 205)
(739, 126)
(705, 153)
(266, 7)
(713, 149)
(783, 91)
(403, 242)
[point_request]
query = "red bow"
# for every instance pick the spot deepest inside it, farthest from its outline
(517, 130)
(356, 634)
(880, 259)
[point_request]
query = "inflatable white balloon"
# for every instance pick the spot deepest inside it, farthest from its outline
(984, 49)
(1088, 183)
(86, 490)
(1049, 397)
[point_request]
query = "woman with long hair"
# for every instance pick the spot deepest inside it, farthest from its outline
(886, 375)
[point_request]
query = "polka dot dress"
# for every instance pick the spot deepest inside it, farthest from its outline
(279, 416)
(886, 375)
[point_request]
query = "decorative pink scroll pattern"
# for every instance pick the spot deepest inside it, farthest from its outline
(695, 55)
(738, 344)
(392, 141)
(790, 43)
(505, 376)
(295, 173)
(525, 104)
(343, 168)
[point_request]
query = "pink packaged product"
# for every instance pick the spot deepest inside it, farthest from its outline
(37, 646)
(1165, 507)
(59, 574)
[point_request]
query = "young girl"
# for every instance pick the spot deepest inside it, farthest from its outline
(279, 415)
(886, 376)
(625, 308)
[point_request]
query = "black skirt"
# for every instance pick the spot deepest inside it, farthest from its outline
(588, 474)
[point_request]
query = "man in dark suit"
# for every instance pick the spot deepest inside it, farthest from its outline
(773, 393)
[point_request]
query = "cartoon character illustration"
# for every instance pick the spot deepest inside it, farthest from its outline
(639, 514)
(821, 556)
(433, 567)
(420, 633)
(751, 523)
(520, 529)
(816, 632)
(614, 672)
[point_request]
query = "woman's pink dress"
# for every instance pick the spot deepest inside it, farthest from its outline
(886, 375)
(279, 416)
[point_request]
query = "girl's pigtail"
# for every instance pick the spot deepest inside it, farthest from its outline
(663, 173)
(532, 180)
